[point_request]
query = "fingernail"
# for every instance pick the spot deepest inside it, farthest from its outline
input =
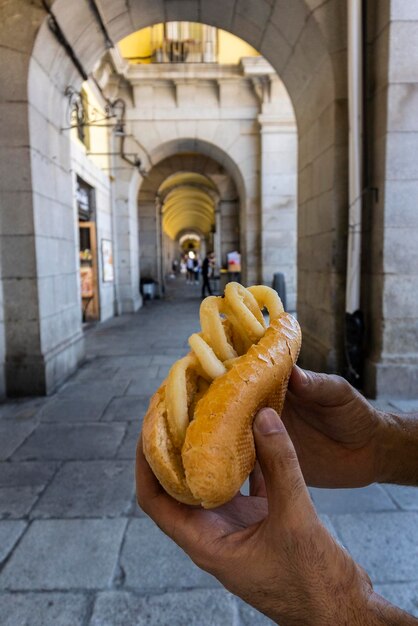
(303, 376)
(267, 422)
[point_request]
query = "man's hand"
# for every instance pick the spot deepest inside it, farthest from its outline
(273, 552)
(335, 431)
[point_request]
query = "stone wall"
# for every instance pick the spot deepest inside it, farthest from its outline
(278, 189)
(41, 309)
(391, 218)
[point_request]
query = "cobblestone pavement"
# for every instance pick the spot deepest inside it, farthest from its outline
(74, 547)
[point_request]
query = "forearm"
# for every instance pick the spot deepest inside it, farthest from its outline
(397, 449)
(383, 613)
(372, 610)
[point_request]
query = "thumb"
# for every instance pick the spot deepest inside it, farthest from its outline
(285, 486)
(325, 389)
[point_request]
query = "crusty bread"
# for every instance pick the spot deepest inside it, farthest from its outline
(218, 452)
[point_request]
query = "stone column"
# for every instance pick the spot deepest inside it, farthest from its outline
(39, 247)
(126, 236)
(217, 238)
(229, 227)
(390, 280)
(158, 250)
(278, 201)
(148, 217)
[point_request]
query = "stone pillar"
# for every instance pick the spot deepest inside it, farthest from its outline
(278, 201)
(159, 242)
(42, 312)
(126, 236)
(2, 340)
(390, 292)
(217, 238)
(149, 244)
(229, 227)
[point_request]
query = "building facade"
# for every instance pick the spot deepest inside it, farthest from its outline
(235, 124)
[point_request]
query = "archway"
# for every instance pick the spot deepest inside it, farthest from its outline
(301, 40)
(212, 177)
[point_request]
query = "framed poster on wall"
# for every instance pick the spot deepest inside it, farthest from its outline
(107, 261)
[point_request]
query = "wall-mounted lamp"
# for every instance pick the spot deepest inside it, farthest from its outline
(119, 129)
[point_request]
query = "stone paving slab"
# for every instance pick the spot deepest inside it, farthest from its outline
(130, 362)
(28, 473)
(172, 343)
(88, 489)
(144, 387)
(405, 406)
(65, 554)
(65, 409)
(17, 502)
(152, 562)
(127, 408)
(174, 353)
(12, 435)
(128, 448)
(163, 359)
(163, 371)
(385, 544)
(192, 608)
(93, 389)
(371, 498)
(22, 409)
(405, 497)
(20, 486)
(403, 595)
(9, 534)
(90, 373)
(70, 442)
(127, 374)
(43, 609)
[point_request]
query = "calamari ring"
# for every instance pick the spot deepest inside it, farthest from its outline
(212, 353)
(213, 330)
(267, 298)
(207, 357)
(241, 340)
(244, 307)
(177, 401)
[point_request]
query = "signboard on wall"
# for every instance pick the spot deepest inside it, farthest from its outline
(107, 261)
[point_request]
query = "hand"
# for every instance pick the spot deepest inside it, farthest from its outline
(334, 429)
(273, 552)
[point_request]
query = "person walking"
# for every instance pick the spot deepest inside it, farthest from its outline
(206, 271)
(190, 270)
(196, 270)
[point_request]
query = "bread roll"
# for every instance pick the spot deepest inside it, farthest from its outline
(218, 452)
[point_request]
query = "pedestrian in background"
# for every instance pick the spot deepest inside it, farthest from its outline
(190, 270)
(196, 269)
(207, 267)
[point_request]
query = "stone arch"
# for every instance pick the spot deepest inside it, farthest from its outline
(189, 155)
(303, 40)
